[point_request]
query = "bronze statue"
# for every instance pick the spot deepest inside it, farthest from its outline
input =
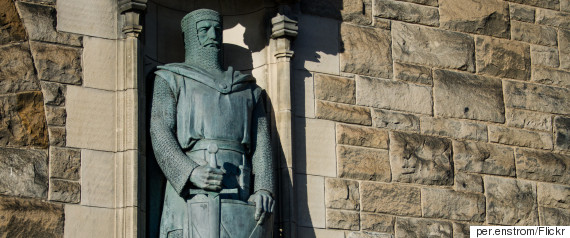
(210, 134)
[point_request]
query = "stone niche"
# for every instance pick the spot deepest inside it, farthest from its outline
(247, 27)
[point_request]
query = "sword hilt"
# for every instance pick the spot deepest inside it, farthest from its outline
(212, 150)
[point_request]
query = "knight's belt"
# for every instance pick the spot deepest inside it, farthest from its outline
(221, 144)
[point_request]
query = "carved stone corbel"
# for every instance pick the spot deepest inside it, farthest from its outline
(131, 10)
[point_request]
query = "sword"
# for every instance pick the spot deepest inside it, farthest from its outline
(214, 206)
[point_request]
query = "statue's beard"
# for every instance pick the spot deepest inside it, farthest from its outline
(207, 57)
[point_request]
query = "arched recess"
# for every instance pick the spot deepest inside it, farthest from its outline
(256, 41)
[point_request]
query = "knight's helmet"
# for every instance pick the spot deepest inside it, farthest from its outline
(195, 53)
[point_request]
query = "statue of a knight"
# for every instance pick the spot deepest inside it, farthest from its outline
(210, 134)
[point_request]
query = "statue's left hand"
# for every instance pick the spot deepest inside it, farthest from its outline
(264, 204)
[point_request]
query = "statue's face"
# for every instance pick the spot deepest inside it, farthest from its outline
(209, 33)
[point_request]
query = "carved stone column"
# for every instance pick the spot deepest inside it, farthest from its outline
(284, 31)
(130, 158)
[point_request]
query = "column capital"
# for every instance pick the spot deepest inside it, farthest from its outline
(132, 9)
(283, 26)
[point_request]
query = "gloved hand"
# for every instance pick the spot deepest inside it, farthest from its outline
(264, 204)
(207, 178)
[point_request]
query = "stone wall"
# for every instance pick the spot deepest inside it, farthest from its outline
(418, 118)
(39, 172)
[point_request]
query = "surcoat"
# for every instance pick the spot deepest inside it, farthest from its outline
(192, 108)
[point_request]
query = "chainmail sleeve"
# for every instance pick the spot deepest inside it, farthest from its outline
(175, 165)
(262, 156)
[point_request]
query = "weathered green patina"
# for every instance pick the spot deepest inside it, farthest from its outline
(210, 135)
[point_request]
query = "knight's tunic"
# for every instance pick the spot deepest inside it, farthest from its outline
(191, 109)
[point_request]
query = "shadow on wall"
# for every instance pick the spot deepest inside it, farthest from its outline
(317, 48)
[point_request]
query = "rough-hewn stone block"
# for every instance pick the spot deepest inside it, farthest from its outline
(23, 172)
(468, 182)
(17, 71)
(54, 93)
(382, 23)
(416, 227)
(407, 12)
(511, 202)
(463, 95)
(529, 120)
(518, 137)
(65, 163)
(342, 194)
(536, 97)
(420, 159)
(363, 163)
(534, 34)
(343, 113)
(55, 116)
(40, 23)
(503, 58)
(368, 234)
(390, 198)
(11, 27)
(361, 136)
(475, 157)
(57, 63)
(551, 4)
(23, 120)
(367, 51)
(551, 76)
(543, 166)
(487, 17)
(454, 129)
(57, 135)
(562, 132)
(521, 12)
(64, 191)
(433, 47)
(345, 220)
(553, 195)
(448, 204)
(356, 11)
(395, 120)
(553, 18)
(387, 94)
(565, 5)
(23, 217)
(413, 73)
(554, 216)
(44, 2)
(544, 56)
(564, 47)
(336, 89)
(377, 222)
(432, 3)
(461, 230)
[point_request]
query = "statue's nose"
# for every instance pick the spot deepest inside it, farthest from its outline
(212, 33)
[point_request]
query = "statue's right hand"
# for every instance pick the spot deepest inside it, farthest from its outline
(207, 178)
